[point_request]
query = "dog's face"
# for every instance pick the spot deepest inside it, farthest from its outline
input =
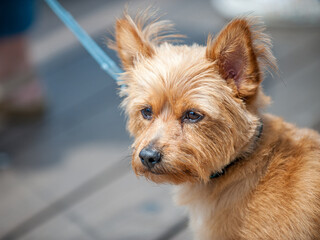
(191, 109)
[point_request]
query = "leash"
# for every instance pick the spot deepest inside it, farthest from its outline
(105, 62)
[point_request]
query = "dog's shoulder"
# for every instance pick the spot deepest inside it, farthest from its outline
(289, 190)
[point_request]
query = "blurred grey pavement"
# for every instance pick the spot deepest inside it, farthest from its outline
(68, 176)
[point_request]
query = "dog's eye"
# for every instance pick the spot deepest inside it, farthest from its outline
(192, 116)
(147, 113)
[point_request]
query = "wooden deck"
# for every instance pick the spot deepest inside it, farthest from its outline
(68, 177)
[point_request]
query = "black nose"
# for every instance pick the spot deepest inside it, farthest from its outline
(149, 157)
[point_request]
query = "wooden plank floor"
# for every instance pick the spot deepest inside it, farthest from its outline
(69, 177)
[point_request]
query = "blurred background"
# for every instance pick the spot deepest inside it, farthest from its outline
(64, 150)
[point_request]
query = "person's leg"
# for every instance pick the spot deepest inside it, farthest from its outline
(13, 55)
(21, 94)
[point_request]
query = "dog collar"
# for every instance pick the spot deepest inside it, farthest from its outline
(225, 168)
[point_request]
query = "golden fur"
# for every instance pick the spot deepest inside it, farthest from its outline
(274, 191)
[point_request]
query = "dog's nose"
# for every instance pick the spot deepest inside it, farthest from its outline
(149, 157)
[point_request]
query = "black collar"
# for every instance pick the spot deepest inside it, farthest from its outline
(223, 170)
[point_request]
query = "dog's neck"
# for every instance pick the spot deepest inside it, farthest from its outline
(237, 159)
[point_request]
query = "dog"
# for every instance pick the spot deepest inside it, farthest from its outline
(196, 115)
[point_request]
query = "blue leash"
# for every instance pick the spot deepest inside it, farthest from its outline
(95, 51)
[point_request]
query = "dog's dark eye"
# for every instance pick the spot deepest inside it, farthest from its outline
(147, 113)
(192, 116)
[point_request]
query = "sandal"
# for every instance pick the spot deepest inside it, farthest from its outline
(21, 98)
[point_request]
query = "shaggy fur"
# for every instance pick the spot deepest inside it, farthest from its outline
(273, 192)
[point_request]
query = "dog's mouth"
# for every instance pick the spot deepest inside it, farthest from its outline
(157, 170)
(162, 171)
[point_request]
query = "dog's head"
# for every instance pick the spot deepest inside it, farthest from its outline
(191, 109)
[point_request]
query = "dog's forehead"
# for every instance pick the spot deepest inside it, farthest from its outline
(176, 73)
(179, 77)
(179, 60)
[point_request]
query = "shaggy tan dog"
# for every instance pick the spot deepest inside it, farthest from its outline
(195, 114)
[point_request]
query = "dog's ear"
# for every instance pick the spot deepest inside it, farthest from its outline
(139, 37)
(130, 41)
(241, 52)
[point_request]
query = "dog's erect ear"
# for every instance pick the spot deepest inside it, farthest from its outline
(242, 53)
(138, 38)
(130, 41)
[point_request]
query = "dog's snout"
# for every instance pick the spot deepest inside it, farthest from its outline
(150, 157)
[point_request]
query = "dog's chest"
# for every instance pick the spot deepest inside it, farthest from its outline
(202, 219)
(210, 218)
